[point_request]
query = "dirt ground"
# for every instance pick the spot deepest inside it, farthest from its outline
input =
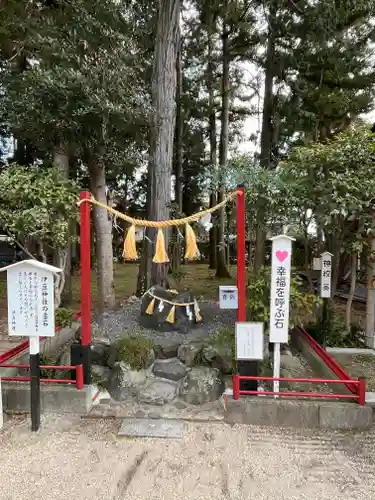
(81, 459)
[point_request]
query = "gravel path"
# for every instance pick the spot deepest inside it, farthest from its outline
(124, 321)
(83, 460)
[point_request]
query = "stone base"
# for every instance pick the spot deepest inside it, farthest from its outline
(298, 414)
(54, 398)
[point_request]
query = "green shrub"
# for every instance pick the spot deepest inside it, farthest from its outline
(46, 361)
(336, 334)
(64, 317)
(134, 350)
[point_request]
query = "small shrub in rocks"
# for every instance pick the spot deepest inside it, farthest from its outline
(136, 351)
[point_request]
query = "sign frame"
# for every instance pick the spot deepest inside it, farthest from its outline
(254, 330)
(231, 289)
(326, 257)
(281, 259)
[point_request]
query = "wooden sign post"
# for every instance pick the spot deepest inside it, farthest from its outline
(31, 313)
(325, 290)
(280, 296)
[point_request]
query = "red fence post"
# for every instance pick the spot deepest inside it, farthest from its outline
(79, 377)
(241, 249)
(249, 368)
(236, 386)
(85, 261)
(362, 391)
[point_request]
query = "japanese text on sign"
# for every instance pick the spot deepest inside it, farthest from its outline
(30, 302)
(228, 296)
(326, 274)
(280, 289)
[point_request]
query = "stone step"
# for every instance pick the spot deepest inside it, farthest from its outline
(153, 428)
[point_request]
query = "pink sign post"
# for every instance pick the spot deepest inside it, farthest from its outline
(280, 294)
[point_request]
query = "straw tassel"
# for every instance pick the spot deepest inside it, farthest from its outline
(192, 252)
(161, 256)
(150, 308)
(171, 315)
(130, 249)
(198, 317)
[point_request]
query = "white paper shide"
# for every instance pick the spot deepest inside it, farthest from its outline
(326, 275)
(280, 288)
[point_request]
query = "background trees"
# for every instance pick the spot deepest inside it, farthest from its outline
(145, 102)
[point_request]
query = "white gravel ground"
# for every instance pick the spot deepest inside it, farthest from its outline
(84, 459)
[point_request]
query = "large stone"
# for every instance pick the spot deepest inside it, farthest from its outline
(202, 385)
(166, 348)
(157, 392)
(189, 352)
(125, 383)
(184, 322)
(100, 373)
(100, 349)
(171, 369)
(220, 357)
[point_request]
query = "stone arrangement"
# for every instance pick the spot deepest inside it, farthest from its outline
(191, 372)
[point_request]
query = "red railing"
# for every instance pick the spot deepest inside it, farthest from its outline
(6, 356)
(330, 361)
(78, 369)
(359, 395)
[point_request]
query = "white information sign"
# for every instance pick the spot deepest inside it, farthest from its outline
(228, 296)
(249, 341)
(317, 264)
(326, 275)
(280, 288)
(31, 299)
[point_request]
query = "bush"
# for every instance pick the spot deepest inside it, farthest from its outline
(337, 335)
(64, 317)
(303, 305)
(134, 351)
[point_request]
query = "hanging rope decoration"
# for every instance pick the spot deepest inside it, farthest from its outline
(161, 256)
(172, 313)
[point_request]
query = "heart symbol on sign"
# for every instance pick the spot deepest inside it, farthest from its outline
(281, 255)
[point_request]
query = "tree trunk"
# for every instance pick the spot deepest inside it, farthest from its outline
(265, 146)
(370, 302)
(349, 302)
(61, 163)
(213, 139)
(162, 133)
(103, 236)
(221, 268)
(178, 156)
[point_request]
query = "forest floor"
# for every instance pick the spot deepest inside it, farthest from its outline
(85, 459)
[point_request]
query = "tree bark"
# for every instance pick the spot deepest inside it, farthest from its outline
(178, 155)
(103, 235)
(266, 145)
(370, 302)
(221, 268)
(349, 302)
(213, 138)
(162, 133)
(61, 163)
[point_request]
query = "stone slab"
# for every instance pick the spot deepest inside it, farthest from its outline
(298, 414)
(152, 428)
(344, 416)
(54, 398)
(370, 399)
(351, 350)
